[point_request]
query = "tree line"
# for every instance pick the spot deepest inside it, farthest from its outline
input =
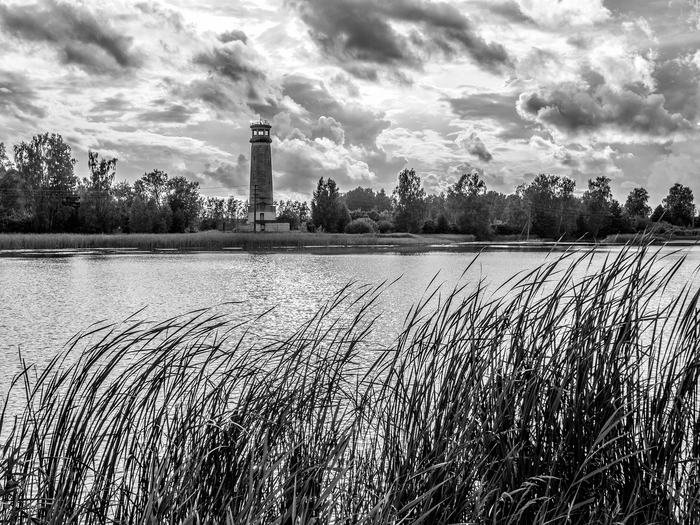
(39, 192)
(547, 207)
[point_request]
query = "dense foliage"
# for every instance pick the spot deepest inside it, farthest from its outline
(39, 192)
(572, 398)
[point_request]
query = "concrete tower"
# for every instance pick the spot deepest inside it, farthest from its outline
(260, 204)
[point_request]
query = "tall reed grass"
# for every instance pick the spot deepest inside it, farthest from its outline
(565, 397)
(209, 240)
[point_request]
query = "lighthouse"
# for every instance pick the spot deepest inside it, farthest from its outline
(261, 209)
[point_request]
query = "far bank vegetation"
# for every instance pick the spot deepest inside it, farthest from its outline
(40, 193)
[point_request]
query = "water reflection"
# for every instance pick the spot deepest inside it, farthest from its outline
(48, 300)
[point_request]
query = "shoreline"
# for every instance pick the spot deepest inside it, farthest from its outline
(410, 243)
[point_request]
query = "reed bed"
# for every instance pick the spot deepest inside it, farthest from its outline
(564, 397)
(208, 241)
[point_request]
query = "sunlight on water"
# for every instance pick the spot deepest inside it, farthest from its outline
(46, 301)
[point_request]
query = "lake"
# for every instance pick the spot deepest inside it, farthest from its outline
(46, 300)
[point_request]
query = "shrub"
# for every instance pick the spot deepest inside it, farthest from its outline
(385, 226)
(362, 225)
(429, 226)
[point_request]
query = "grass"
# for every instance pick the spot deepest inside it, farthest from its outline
(211, 240)
(563, 398)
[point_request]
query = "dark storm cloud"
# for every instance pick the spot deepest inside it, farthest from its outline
(79, 37)
(233, 36)
(175, 113)
(678, 81)
(358, 34)
(235, 77)
(230, 62)
(17, 97)
(572, 111)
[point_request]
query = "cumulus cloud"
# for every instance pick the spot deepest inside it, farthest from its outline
(364, 37)
(81, 37)
(328, 127)
(232, 36)
(471, 142)
(305, 100)
(556, 13)
(612, 116)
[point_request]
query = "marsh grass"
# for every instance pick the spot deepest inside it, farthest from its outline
(209, 241)
(566, 397)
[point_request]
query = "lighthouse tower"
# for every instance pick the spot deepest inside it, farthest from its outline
(261, 209)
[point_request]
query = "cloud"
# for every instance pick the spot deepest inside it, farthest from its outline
(232, 36)
(306, 100)
(116, 103)
(227, 175)
(174, 113)
(496, 107)
(329, 128)
(235, 77)
(233, 61)
(81, 37)
(365, 37)
(558, 13)
(610, 116)
(17, 97)
(471, 142)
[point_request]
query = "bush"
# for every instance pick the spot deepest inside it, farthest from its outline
(363, 225)
(385, 226)
(430, 226)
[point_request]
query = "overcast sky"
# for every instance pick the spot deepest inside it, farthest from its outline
(359, 89)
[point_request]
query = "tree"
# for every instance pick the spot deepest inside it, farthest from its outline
(183, 199)
(235, 210)
(291, 212)
(360, 199)
(328, 211)
(97, 211)
(45, 168)
(11, 216)
(123, 195)
(596, 206)
(409, 210)
(152, 186)
(467, 203)
(658, 214)
(383, 202)
(550, 205)
(150, 211)
(679, 205)
(637, 203)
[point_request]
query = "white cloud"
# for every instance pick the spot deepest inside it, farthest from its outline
(555, 13)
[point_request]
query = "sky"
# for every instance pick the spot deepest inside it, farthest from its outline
(358, 90)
